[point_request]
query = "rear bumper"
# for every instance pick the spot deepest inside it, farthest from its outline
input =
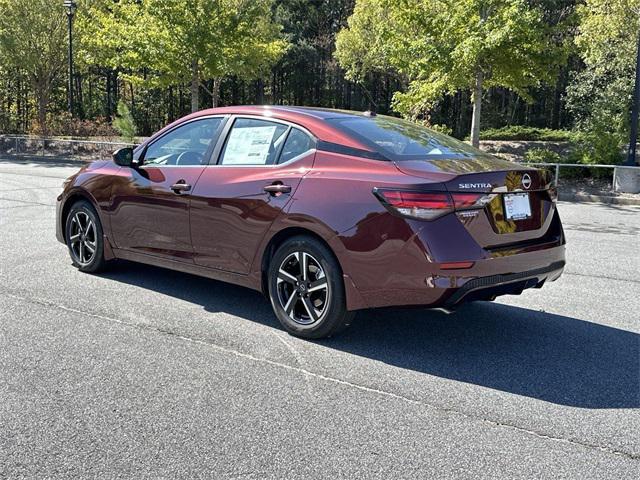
(426, 285)
(488, 288)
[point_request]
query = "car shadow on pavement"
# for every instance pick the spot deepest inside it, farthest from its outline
(536, 354)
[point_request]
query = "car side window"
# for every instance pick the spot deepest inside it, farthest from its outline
(296, 144)
(185, 145)
(253, 142)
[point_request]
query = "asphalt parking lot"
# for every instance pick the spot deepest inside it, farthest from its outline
(142, 372)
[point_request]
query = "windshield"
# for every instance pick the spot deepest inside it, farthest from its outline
(399, 139)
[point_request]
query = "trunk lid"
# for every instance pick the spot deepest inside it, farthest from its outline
(496, 226)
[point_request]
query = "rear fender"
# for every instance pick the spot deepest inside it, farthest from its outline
(300, 224)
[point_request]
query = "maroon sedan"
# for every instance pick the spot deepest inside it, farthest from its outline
(326, 212)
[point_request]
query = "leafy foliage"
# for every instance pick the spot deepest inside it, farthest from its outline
(422, 57)
(440, 129)
(32, 40)
(183, 40)
(124, 123)
(585, 149)
(63, 124)
(542, 155)
(600, 95)
(596, 147)
(519, 132)
(443, 46)
(307, 73)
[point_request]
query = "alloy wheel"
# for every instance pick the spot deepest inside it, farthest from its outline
(303, 288)
(83, 240)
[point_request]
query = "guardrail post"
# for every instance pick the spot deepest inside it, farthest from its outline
(557, 173)
(613, 181)
(43, 146)
(16, 152)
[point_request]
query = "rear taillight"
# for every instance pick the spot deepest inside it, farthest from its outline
(423, 205)
(467, 200)
(430, 205)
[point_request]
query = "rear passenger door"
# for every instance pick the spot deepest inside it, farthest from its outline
(256, 172)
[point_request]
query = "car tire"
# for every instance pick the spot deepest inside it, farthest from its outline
(306, 289)
(84, 237)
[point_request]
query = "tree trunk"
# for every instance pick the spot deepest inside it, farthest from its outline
(195, 87)
(132, 108)
(476, 100)
(274, 87)
(116, 91)
(42, 94)
(170, 103)
(215, 91)
(19, 123)
(107, 109)
(557, 99)
(259, 91)
(79, 97)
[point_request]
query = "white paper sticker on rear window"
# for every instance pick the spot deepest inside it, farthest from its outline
(249, 145)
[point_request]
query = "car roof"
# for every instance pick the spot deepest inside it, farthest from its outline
(313, 112)
(311, 118)
(319, 112)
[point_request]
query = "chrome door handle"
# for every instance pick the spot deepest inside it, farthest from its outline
(277, 188)
(180, 187)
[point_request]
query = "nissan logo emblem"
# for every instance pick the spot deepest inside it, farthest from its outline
(526, 181)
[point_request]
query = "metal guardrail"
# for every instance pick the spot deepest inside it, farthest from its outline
(579, 165)
(56, 139)
(44, 146)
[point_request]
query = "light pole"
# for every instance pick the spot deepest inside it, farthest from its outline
(70, 6)
(631, 158)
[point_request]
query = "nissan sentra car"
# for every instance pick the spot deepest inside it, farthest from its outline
(326, 212)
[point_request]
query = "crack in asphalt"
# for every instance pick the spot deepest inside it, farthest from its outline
(2, 190)
(26, 206)
(26, 202)
(308, 373)
(602, 229)
(605, 277)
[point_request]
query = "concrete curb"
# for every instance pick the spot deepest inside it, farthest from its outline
(606, 199)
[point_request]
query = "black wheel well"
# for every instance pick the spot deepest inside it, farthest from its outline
(277, 240)
(68, 203)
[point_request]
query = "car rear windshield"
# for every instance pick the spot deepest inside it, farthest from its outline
(399, 139)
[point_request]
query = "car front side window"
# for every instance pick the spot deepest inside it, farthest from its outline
(184, 145)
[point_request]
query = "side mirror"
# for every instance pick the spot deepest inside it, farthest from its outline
(123, 157)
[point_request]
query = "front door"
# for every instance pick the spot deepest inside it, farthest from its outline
(150, 210)
(237, 199)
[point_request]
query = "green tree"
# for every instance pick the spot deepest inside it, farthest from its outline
(124, 123)
(444, 46)
(169, 42)
(600, 95)
(33, 40)
(307, 72)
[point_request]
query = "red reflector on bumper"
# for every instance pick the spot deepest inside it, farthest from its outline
(456, 265)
